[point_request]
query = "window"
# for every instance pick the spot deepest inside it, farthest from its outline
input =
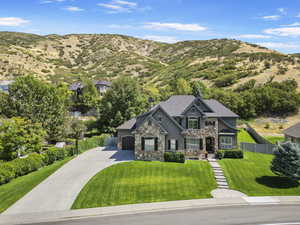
(193, 123)
(149, 144)
(192, 144)
(210, 123)
(173, 144)
(226, 142)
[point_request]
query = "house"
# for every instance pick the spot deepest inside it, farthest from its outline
(183, 123)
(293, 133)
(102, 87)
(4, 85)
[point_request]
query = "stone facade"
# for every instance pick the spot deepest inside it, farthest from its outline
(147, 130)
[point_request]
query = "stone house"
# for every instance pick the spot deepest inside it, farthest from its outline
(101, 86)
(183, 123)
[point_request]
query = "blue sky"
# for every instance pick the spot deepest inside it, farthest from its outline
(271, 23)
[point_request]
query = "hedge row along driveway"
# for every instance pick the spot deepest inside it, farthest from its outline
(142, 182)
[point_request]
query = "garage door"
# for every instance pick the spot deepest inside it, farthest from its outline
(128, 143)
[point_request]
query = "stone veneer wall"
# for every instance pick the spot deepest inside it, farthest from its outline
(147, 130)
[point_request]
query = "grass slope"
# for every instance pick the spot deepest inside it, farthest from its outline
(17, 188)
(252, 176)
(274, 139)
(139, 182)
(244, 136)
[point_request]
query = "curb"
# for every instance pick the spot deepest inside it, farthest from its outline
(56, 216)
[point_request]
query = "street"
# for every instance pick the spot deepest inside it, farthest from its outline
(233, 215)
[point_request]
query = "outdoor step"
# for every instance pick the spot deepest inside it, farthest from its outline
(222, 183)
(225, 187)
(221, 179)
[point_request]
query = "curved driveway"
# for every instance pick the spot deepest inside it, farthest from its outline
(59, 190)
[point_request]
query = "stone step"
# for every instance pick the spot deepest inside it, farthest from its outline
(223, 187)
(222, 183)
(221, 179)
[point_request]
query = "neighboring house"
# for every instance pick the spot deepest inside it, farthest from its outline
(292, 133)
(4, 85)
(183, 123)
(102, 87)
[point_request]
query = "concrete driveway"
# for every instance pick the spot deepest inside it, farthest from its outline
(59, 191)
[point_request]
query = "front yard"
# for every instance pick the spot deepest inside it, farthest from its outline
(141, 182)
(252, 176)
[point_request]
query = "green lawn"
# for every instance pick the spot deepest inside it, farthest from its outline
(17, 188)
(244, 136)
(252, 175)
(139, 182)
(273, 139)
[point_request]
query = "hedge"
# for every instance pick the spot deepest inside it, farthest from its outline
(34, 161)
(174, 157)
(233, 154)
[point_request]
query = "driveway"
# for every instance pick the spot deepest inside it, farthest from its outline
(59, 191)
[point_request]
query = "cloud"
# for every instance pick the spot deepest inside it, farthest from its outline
(284, 31)
(280, 45)
(51, 1)
(291, 25)
(174, 26)
(298, 15)
(74, 9)
(130, 4)
(119, 6)
(283, 11)
(253, 36)
(272, 17)
(166, 39)
(13, 21)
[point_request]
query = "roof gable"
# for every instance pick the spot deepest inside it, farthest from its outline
(293, 131)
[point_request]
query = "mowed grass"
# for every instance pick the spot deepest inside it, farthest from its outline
(244, 136)
(274, 139)
(140, 182)
(252, 176)
(17, 188)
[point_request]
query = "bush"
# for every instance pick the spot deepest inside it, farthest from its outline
(233, 154)
(54, 154)
(174, 157)
(20, 167)
(92, 142)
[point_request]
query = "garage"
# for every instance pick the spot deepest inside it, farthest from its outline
(128, 143)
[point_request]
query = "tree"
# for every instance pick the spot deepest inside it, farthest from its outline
(182, 87)
(88, 98)
(120, 103)
(287, 160)
(39, 102)
(199, 89)
(77, 129)
(18, 137)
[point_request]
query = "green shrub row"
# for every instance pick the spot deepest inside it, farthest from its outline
(20, 167)
(233, 154)
(174, 157)
(34, 161)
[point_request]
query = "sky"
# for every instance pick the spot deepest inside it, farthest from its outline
(271, 23)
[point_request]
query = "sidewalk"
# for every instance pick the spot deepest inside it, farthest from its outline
(144, 208)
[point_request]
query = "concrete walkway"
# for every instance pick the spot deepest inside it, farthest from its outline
(59, 191)
(223, 190)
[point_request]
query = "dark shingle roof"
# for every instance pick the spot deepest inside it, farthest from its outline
(219, 110)
(293, 131)
(76, 86)
(102, 82)
(176, 104)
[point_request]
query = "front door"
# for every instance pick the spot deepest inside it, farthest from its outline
(210, 144)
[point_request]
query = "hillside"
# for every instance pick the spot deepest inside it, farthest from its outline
(220, 62)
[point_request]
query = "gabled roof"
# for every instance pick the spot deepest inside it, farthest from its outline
(219, 110)
(102, 82)
(176, 105)
(293, 131)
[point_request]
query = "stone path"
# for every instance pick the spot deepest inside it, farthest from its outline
(222, 190)
(220, 178)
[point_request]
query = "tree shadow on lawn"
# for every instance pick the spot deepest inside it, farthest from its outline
(277, 182)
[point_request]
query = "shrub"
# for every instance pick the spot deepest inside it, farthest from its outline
(234, 154)
(54, 154)
(92, 142)
(20, 167)
(174, 157)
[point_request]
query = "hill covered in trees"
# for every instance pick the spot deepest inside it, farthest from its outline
(217, 62)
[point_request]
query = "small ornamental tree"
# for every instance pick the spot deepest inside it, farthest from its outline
(287, 160)
(77, 129)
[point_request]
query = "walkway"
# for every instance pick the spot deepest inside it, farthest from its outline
(223, 190)
(59, 191)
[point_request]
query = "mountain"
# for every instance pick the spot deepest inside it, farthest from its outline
(220, 62)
